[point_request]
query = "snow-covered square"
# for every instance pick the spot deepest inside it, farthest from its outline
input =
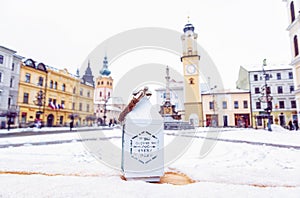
(243, 163)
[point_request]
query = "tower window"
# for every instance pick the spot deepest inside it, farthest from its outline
(296, 49)
(292, 10)
(191, 81)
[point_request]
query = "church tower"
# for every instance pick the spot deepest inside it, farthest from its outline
(190, 60)
(103, 91)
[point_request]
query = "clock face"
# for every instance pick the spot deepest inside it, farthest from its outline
(191, 69)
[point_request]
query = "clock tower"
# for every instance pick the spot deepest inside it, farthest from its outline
(190, 60)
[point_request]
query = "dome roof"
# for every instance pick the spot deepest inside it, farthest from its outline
(105, 71)
(188, 27)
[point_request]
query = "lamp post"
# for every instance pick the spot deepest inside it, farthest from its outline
(105, 111)
(268, 97)
(214, 117)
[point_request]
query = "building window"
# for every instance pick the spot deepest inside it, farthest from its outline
(80, 106)
(88, 94)
(290, 75)
(51, 84)
(62, 104)
(41, 81)
(63, 87)
(74, 90)
(100, 94)
(267, 76)
(296, 49)
(278, 76)
(292, 88)
(55, 85)
(281, 104)
(25, 98)
(256, 90)
(258, 105)
(1, 59)
(73, 106)
(1, 77)
(61, 119)
(293, 104)
(224, 104)
(279, 90)
(9, 101)
(108, 95)
(13, 67)
(292, 11)
(268, 90)
(11, 82)
(81, 92)
(102, 82)
(27, 77)
(255, 77)
(236, 104)
(191, 81)
(211, 105)
(245, 103)
(87, 107)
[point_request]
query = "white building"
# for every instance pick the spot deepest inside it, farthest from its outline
(293, 8)
(9, 84)
(280, 85)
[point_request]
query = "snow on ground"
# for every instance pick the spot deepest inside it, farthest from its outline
(231, 169)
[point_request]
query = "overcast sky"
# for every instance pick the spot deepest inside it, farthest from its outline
(62, 33)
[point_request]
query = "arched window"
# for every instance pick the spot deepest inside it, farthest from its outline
(296, 49)
(51, 84)
(191, 81)
(292, 10)
(102, 82)
(63, 87)
(55, 85)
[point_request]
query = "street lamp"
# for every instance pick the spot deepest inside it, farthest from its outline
(104, 111)
(214, 103)
(266, 97)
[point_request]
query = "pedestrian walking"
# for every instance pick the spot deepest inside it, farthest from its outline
(71, 125)
(290, 125)
(296, 125)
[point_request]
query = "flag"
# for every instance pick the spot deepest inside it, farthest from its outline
(51, 105)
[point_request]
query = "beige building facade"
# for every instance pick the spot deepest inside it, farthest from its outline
(227, 108)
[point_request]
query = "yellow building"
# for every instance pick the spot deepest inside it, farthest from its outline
(53, 96)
